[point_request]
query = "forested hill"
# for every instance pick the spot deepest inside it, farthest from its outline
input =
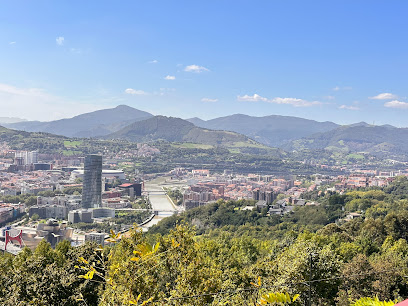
(179, 130)
(384, 141)
(97, 123)
(21, 138)
(272, 130)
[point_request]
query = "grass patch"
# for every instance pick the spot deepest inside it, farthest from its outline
(70, 152)
(72, 144)
(189, 145)
(355, 156)
(243, 144)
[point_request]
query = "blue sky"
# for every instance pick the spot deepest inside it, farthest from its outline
(342, 61)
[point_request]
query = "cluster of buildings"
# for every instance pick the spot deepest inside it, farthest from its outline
(203, 187)
(10, 211)
(24, 161)
(97, 201)
(359, 181)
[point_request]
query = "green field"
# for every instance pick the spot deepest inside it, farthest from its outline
(189, 145)
(70, 152)
(72, 144)
(242, 144)
(355, 156)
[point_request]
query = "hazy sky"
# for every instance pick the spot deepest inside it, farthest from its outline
(343, 61)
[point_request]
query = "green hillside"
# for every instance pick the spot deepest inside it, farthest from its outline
(273, 130)
(178, 130)
(97, 123)
(382, 141)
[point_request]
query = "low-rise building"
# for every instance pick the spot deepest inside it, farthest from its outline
(77, 216)
(99, 238)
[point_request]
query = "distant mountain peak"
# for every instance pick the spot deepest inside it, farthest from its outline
(361, 123)
(125, 107)
(96, 123)
(175, 129)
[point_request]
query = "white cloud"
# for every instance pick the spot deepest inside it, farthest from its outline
(396, 104)
(337, 88)
(132, 91)
(290, 101)
(60, 40)
(12, 43)
(153, 62)
(294, 101)
(30, 103)
(349, 107)
(170, 77)
(254, 98)
(329, 97)
(195, 68)
(12, 90)
(384, 96)
(209, 100)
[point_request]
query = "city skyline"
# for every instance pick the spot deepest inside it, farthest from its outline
(342, 62)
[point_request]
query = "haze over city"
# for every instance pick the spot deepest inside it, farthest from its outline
(339, 61)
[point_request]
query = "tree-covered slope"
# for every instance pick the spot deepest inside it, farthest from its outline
(91, 124)
(379, 140)
(178, 130)
(271, 130)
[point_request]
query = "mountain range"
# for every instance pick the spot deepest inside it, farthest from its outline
(97, 123)
(271, 130)
(288, 133)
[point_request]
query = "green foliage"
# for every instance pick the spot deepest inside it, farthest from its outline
(211, 255)
(373, 302)
(381, 141)
(278, 298)
(72, 190)
(176, 196)
(45, 277)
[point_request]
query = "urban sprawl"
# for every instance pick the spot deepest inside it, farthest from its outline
(91, 189)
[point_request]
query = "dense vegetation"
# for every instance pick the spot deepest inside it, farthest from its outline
(176, 129)
(219, 254)
(381, 141)
(273, 130)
